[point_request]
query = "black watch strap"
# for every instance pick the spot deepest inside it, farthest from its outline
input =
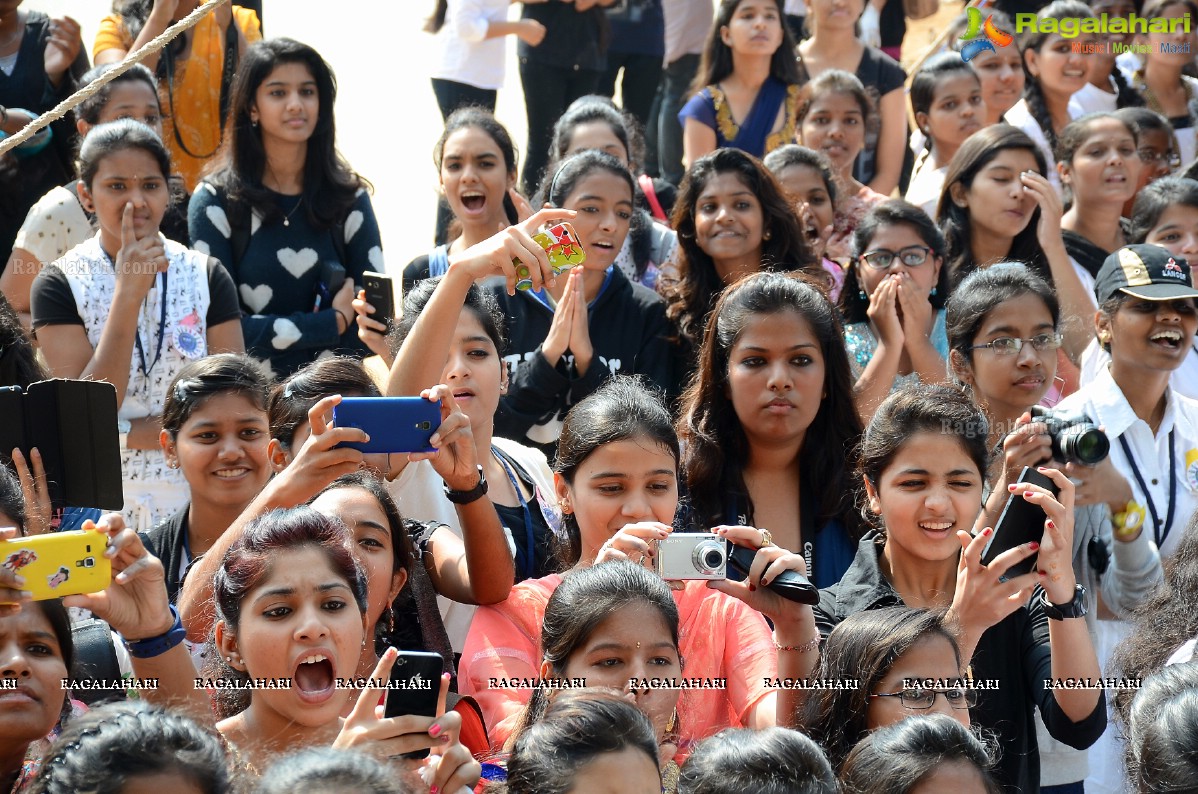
(1074, 609)
(473, 495)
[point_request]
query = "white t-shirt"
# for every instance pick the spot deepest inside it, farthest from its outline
(54, 225)
(467, 55)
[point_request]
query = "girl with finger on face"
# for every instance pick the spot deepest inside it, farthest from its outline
(922, 462)
(616, 477)
(998, 206)
(132, 308)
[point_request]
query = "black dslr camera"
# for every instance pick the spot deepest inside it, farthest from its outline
(1075, 439)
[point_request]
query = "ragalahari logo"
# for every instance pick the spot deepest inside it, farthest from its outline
(991, 36)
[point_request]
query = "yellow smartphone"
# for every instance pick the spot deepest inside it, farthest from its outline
(59, 564)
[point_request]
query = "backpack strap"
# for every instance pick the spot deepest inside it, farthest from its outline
(646, 184)
(438, 261)
(95, 659)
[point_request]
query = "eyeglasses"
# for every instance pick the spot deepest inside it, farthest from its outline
(1010, 345)
(911, 256)
(1149, 157)
(958, 697)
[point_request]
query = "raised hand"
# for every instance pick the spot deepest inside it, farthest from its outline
(372, 333)
(62, 48)
(634, 542)
(916, 308)
(495, 255)
(580, 330)
(982, 599)
(139, 261)
(883, 313)
(319, 461)
(38, 511)
(12, 593)
(768, 563)
(456, 458)
(1048, 230)
(561, 328)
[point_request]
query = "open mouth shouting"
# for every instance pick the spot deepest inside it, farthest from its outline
(314, 677)
(474, 201)
(1169, 339)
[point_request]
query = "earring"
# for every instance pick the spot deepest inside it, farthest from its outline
(673, 723)
(565, 506)
(172, 464)
(861, 294)
(933, 293)
(766, 236)
(390, 620)
(254, 123)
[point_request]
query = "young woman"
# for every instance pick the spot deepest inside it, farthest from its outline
(767, 419)
(132, 308)
(195, 83)
(291, 602)
(834, 45)
(570, 337)
(1099, 163)
(891, 653)
(476, 166)
(282, 210)
(1002, 327)
(1108, 88)
(616, 479)
(595, 123)
(807, 176)
(747, 87)
(1166, 89)
(946, 99)
(1158, 148)
(732, 219)
(127, 747)
(1055, 71)
(920, 754)
(833, 117)
(770, 761)
(597, 740)
(998, 206)
(57, 222)
(922, 463)
(216, 431)
(1000, 70)
(893, 303)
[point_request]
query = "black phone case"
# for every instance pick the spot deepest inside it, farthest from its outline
(791, 585)
(420, 675)
(1021, 522)
(331, 280)
(73, 424)
(379, 295)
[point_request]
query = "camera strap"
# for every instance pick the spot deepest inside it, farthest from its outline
(1159, 532)
(530, 558)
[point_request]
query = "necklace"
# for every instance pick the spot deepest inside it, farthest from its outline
(287, 217)
(14, 36)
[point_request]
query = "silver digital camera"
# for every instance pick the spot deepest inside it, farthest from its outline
(691, 555)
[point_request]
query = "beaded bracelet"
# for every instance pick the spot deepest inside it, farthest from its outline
(810, 645)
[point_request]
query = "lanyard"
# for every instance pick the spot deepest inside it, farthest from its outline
(141, 352)
(530, 556)
(1158, 531)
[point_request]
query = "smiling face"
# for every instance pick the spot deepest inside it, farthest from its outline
(222, 450)
(896, 237)
(776, 377)
(1150, 335)
(300, 622)
(30, 656)
(126, 176)
(474, 371)
(931, 489)
(599, 135)
(1009, 385)
(364, 516)
(806, 184)
(1177, 230)
(957, 110)
(620, 483)
(287, 105)
(474, 177)
(755, 28)
(931, 657)
(1179, 45)
(997, 202)
(1059, 70)
(835, 125)
(728, 220)
(604, 204)
(634, 642)
(1106, 166)
(1002, 77)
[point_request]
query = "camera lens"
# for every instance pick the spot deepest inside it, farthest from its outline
(1085, 444)
(708, 557)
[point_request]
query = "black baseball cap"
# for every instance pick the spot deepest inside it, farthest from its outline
(1145, 271)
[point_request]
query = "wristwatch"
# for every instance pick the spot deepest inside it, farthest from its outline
(1128, 520)
(123, 426)
(1074, 609)
(466, 497)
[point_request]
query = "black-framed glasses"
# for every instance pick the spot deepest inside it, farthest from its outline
(1170, 158)
(958, 697)
(911, 256)
(1010, 345)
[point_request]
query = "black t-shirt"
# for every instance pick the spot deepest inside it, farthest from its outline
(53, 303)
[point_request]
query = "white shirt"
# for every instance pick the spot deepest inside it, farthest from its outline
(467, 55)
(926, 184)
(687, 23)
(1183, 381)
(1103, 402)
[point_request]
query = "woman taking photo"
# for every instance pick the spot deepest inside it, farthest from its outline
(132, 308)
(767, 419)
(748, 83)
(923, 462)
(284, 213)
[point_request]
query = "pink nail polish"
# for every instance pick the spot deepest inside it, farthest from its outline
(433, 790)
(435, 731)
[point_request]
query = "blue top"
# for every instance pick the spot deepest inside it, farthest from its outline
(753, 135)
(861, 343)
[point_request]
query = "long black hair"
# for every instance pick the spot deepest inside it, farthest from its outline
(330, 185)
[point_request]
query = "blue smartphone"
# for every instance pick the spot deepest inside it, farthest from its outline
(394, 424)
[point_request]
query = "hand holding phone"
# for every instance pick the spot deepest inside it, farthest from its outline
(381, 296)
(59, 564)
(393, 424)
(1021, 522)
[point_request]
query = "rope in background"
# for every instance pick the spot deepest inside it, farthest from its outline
(149, 48)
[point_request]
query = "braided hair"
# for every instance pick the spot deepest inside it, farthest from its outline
(1033, 40)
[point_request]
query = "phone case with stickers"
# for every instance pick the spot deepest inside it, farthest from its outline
(59, 564)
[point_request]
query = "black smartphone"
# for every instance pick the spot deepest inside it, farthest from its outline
(394, 424)
(329, 283)
(415, 687)
(380, 295)
(1021, 522)
(791, 585)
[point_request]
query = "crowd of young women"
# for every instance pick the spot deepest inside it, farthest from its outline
(778, 356)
